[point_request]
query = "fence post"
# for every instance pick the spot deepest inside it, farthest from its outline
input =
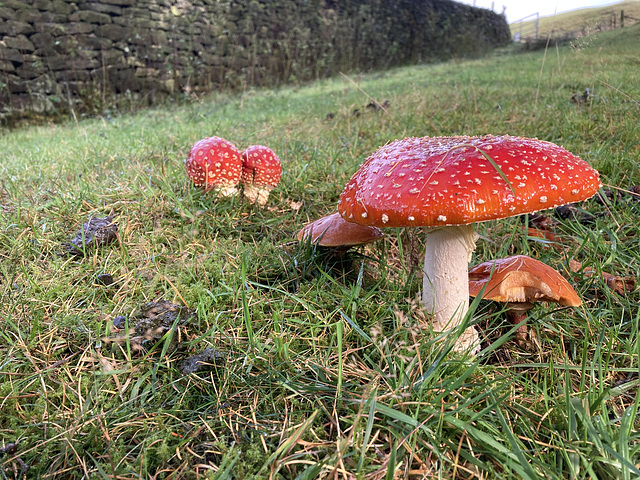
(621, 18)
(531, 29)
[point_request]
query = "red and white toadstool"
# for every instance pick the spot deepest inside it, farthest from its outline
(449, 183)
(261, 172)
(214, 163)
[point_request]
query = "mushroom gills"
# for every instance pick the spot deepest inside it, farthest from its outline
(524, 287)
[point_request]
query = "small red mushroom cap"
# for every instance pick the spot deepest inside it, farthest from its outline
(436, 181)
(261, 172)
(215, 163)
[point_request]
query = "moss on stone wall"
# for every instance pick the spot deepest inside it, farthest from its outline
(58, 55)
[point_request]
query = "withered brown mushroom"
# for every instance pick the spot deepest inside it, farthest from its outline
(334, 231)
(519, 282)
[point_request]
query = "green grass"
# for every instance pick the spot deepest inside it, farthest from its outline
(328, 371)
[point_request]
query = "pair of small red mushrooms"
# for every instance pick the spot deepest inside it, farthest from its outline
(216, 164)
(446, 184)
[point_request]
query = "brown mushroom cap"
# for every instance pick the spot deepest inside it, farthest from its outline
(334, 231)
(437, 181)
(520, 279)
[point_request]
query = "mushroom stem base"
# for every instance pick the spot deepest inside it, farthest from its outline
(257, 194)
(223, 189)
(445, 284)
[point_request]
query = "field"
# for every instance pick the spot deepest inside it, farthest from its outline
(583, 21)
(318, 366)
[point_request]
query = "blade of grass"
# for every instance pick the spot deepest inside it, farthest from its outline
(355, 326)
(245, 302)
(339, 335)
(288, 444)
(391, 466)
(516, 446)
(371, 400)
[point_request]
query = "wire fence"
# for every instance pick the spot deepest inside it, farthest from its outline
(527, 29)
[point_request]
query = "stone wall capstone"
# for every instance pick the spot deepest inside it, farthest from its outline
(58, 56)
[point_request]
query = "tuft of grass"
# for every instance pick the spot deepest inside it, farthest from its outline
(329, 369)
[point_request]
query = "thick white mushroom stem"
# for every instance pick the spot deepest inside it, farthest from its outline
(445, 284)
(257, 193)
(226, 190)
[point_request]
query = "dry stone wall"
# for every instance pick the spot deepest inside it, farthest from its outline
(77, 55)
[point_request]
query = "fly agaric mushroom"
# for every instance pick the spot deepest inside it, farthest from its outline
(261, 172)
(215, 163)
(449, 183)
(519, 281)
(334, 231)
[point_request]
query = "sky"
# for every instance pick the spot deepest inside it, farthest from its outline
(517, 9)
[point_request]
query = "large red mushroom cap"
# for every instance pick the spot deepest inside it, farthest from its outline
(436, 181)
(261, 172)
(215, 163)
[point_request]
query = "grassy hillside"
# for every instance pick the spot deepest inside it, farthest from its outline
(581, 22)
(317, 366)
